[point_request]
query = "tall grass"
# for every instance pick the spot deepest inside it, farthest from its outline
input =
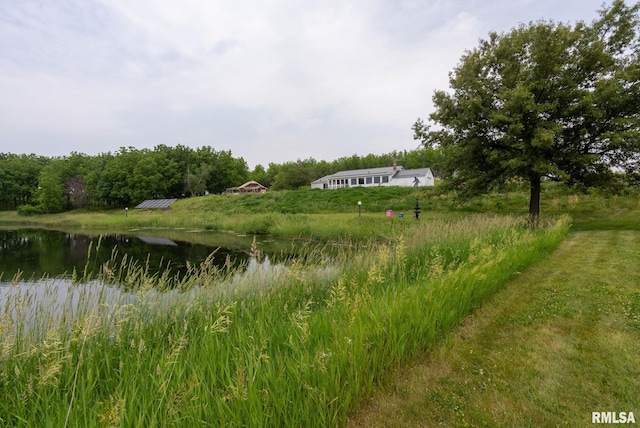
(295, 345)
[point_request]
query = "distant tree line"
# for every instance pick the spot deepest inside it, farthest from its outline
(35, 183)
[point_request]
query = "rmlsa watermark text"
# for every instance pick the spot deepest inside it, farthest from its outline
(613, 418)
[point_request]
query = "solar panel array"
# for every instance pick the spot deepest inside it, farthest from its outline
(155, 204)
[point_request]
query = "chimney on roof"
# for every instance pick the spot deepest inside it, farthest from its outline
(395, 166)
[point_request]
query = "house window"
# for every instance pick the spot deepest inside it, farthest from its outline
(376, 180)
(385, 178)
(354, 181)
(361, 180)
(369, 180)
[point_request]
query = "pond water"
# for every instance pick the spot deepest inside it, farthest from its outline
(37, 292)
(36, 267)
(36, 253)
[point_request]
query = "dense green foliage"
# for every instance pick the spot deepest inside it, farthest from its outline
(19, 179)
(115, 179)
(545, 100)
(130, 176)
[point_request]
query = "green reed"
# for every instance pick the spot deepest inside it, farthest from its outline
(294, 345)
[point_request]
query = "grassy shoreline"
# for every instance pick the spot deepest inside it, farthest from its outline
(299, 347)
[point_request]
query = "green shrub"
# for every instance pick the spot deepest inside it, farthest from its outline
(29, 210)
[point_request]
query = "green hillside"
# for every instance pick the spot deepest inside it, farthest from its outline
(313, 201)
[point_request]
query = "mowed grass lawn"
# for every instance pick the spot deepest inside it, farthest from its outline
(559, 342)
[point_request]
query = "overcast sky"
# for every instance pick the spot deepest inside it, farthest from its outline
(270, 80)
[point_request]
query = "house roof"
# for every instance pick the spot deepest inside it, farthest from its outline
(387, 170)
(251, 184)
(408, 173)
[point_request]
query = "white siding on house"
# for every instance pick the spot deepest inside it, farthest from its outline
(356, 178)
(414, 177)
(317, 184)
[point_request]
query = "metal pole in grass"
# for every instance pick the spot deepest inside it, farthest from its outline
(416, 210)
(359, 207)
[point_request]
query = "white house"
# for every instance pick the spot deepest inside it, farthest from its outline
(387, 176)
(413, 177)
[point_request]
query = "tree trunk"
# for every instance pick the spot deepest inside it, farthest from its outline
(534, 200)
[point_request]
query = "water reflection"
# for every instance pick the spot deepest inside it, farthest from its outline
(54, 300)
(32, 254)
(46, 298)
(45, 305)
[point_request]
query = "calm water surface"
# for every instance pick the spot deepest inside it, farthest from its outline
(36, 267)
(37, 253)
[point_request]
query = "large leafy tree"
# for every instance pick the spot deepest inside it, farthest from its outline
(293, 175)
(224, 170)
(114, 185)
(260, 175)
(74, 170)
(543, 100)
(195, 181)
(19, 179)
(51, 191)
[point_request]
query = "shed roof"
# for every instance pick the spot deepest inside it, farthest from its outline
(387, 170)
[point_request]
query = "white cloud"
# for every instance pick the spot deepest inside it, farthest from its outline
(272, 80)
